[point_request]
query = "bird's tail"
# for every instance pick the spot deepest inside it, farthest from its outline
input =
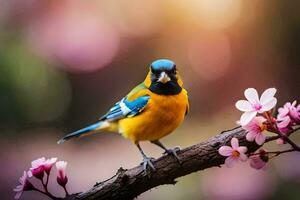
(99, 126)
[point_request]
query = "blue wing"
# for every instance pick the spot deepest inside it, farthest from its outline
(125, 108)
(122, 109)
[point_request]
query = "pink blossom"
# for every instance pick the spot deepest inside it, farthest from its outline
(234, 153)
(254, 104)
(62, 179)
(25, 185)
(41, 165)
(37, 168)
(288, 115)
(283, 122)
(255, 130)
(48, 164)
(259, 161)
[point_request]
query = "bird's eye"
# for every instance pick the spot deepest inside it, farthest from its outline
(174, 69)
(156, 72)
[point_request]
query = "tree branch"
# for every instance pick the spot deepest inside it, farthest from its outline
(128, 184)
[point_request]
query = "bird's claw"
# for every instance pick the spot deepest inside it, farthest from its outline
(148, 162)
(174, 153)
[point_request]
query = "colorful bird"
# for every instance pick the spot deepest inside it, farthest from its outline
(152, 110)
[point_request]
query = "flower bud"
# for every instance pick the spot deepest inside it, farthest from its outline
(61, 179)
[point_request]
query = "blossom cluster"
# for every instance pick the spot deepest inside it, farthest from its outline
(256, 120)
(39, 168)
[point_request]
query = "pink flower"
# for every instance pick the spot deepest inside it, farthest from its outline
(295, 112)
(283, 122)
(37, 168)
(25, 185)
(48, 164)
(62, 179)
(288, 115)
(254, 104)
(259, 161)
(234, 153)
(41, 165)
(255, 130)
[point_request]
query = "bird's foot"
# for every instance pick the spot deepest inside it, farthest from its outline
(147, 162)
(174, 153)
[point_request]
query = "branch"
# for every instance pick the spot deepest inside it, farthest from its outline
(128, 184)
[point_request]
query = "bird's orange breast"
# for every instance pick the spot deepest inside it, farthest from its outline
(162, 115)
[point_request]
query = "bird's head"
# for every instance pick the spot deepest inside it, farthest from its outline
(163, 77)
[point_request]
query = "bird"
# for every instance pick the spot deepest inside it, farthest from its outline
(152, 110)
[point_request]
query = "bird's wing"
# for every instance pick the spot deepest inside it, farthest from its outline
(127, 107)
(136, 91)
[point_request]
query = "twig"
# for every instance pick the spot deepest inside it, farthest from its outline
(272, 138)
(273, 128)
(66, 191)
(288, 140)
(276, 153)
(45, 185)
(294, 130)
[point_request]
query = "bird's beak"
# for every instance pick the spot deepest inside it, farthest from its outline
(163, 78)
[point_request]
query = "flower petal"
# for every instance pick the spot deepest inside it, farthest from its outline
(247, 117)
(18, 188)
(61, 169)
(260, 139)
(251, 95)
(251, 136)
(18, 195)
(284, 122)
(244, 106)
(229, 162)
(38, 162)
(269, 105)
(259, 120)
(225, 151)
(242, 149)
(283, 111)
(29, 173)
(234, 143)
(267, 95)
(243, 157)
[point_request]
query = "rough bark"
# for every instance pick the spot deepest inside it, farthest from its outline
(128, 184)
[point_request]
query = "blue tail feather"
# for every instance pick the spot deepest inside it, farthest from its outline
(80, 132)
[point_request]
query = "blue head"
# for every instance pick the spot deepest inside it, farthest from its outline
(163, 71)
(163, 64)
(164, 77)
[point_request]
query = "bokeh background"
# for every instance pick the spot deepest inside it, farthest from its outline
(64, 63)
